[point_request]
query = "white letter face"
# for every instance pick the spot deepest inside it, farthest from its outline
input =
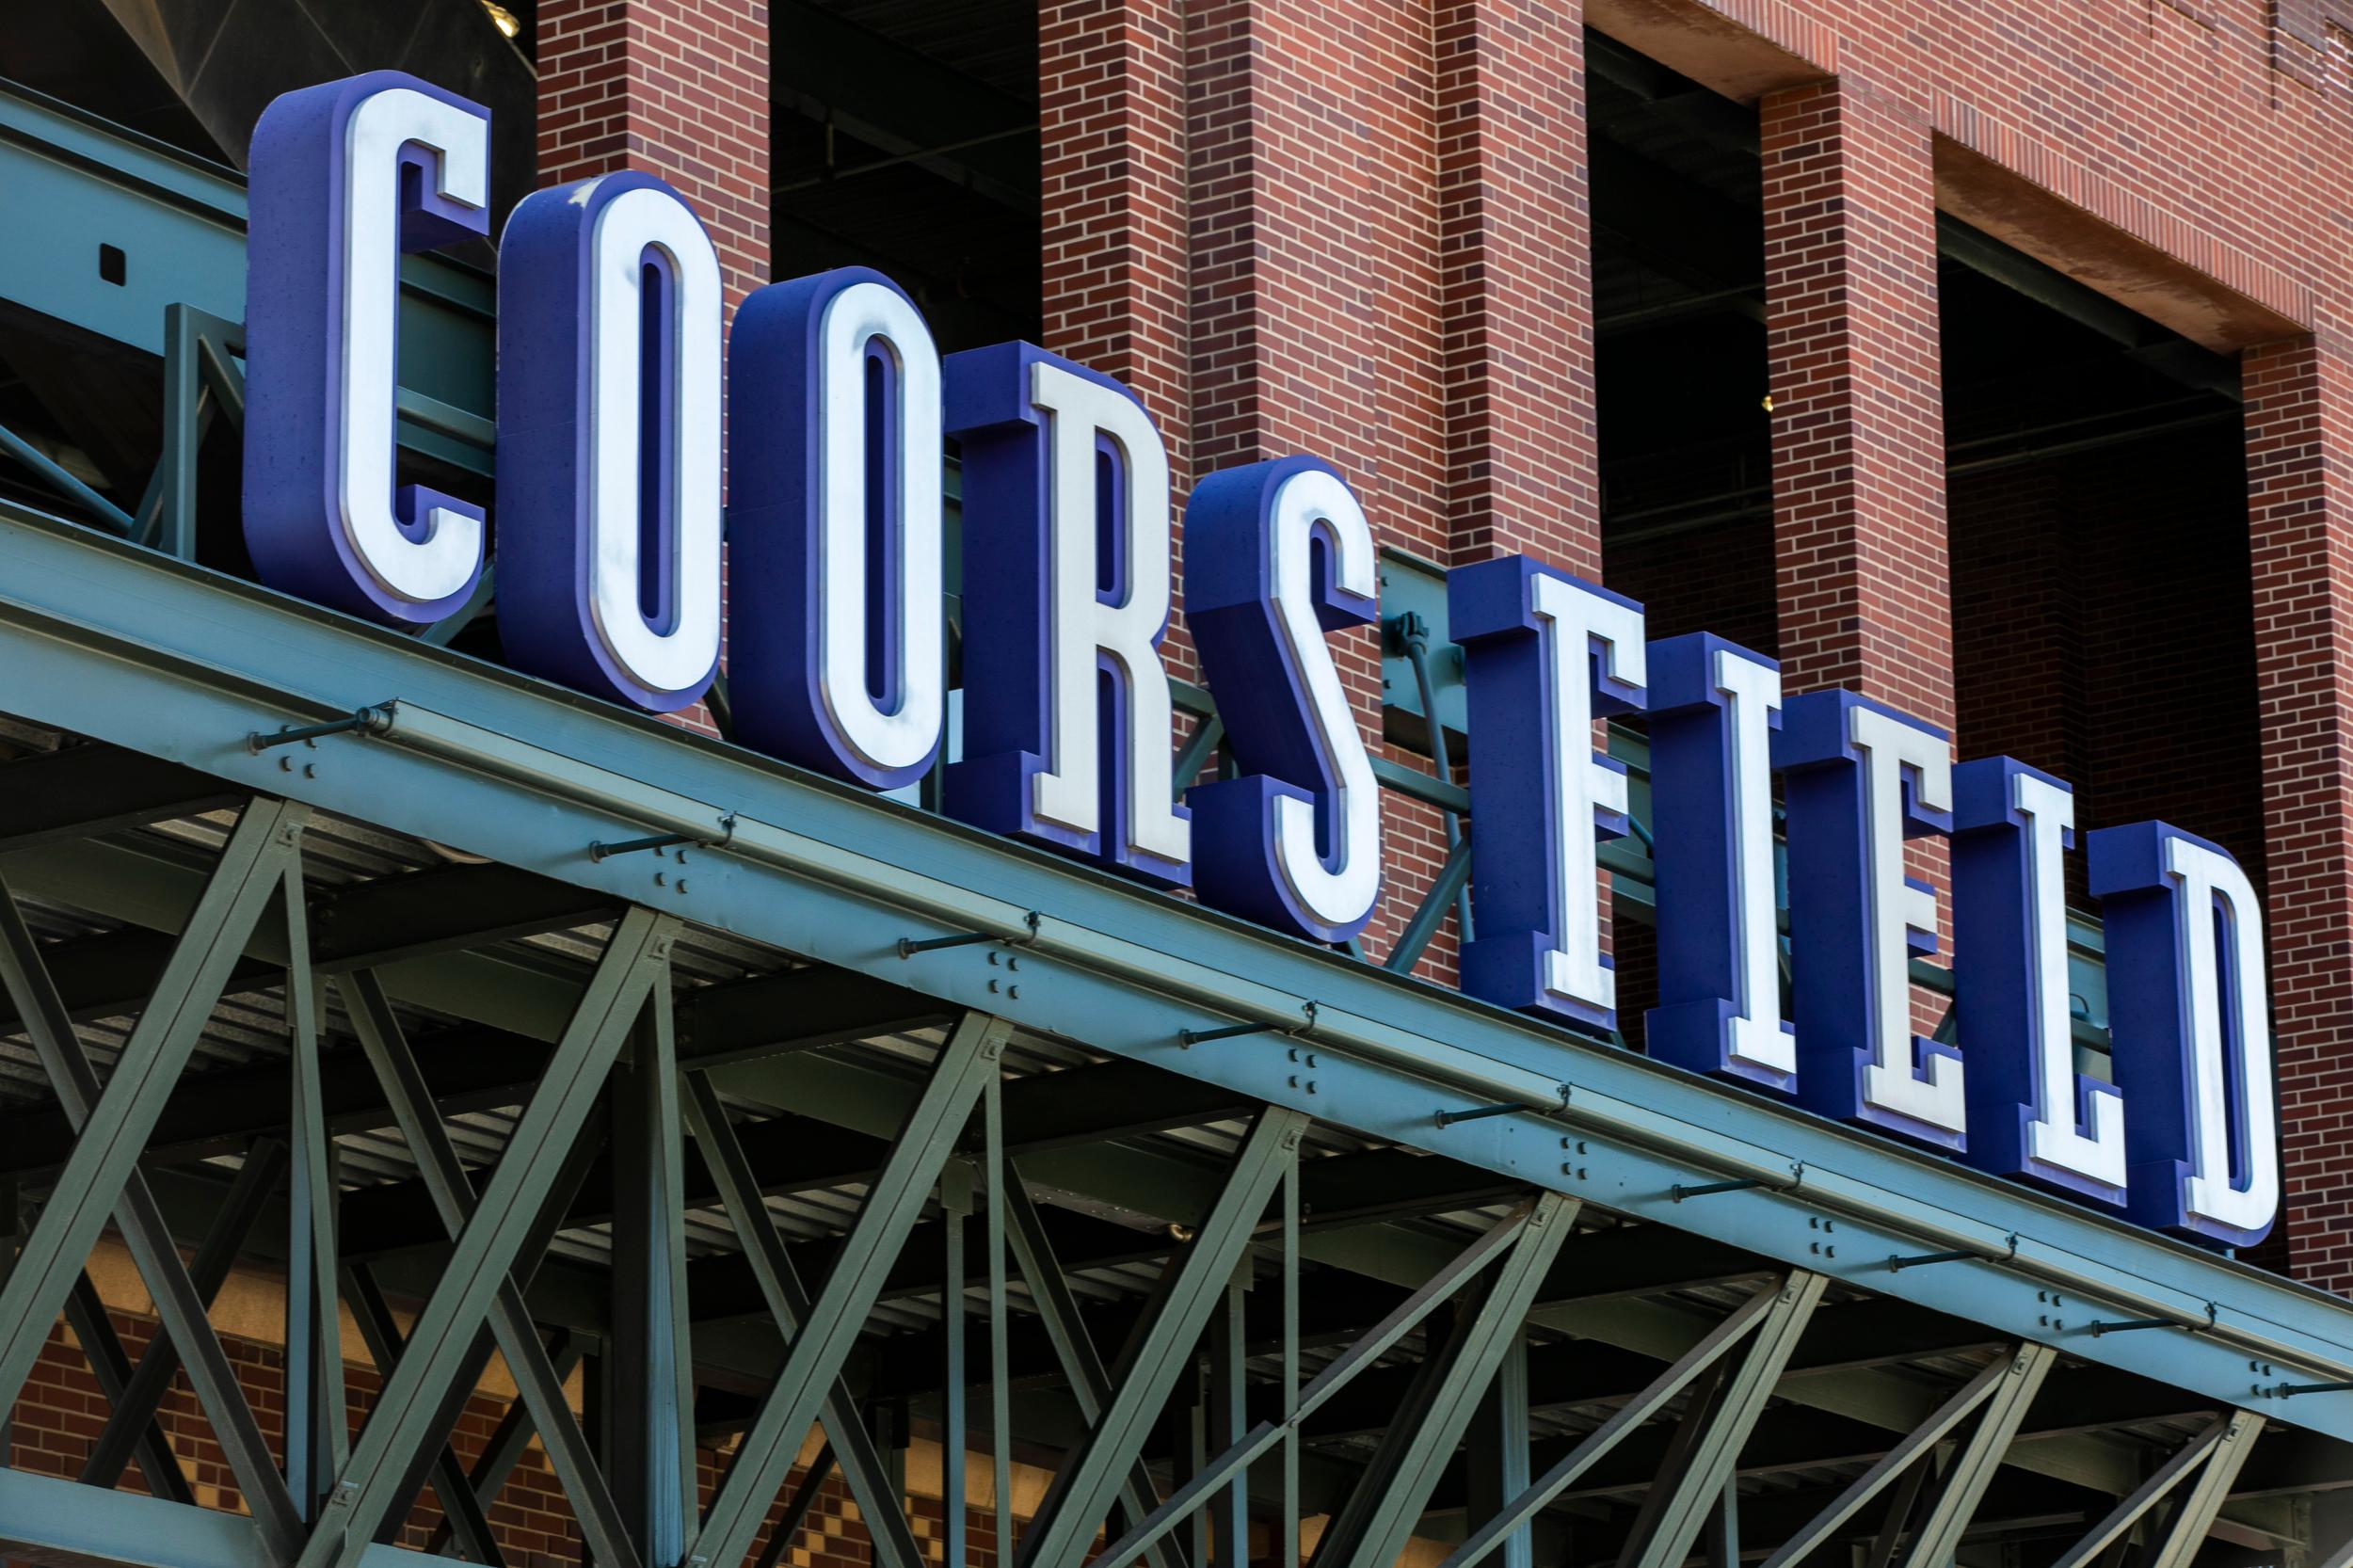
(1343, 893)
(444, 563)
(1714, 707)
(2229, 1015)
(609, 441)
(1859, 779)
(2190, 1019)
(1545, 656)
(838, 661)
(901, 736)
(2031, 1115)
(1084, 628)
(1293, 841)
(1578, 625)
(1897, 1081)
(1751, 693)
(397, 166)
(673, 648)
(2053, 1138)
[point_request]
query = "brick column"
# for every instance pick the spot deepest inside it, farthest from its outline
(2299, 471)
(1515, 248)
(674, 88)
(1317, 323)
(677, 89)
(1862, 585)
(1111, 113)
(1865, 594)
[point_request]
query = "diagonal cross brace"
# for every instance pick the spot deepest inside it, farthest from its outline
(538, 1383)
(101, 1177)
(1715, 1431)
(134, 1411)
(481, 1264)
(2121, 1519)
(1900, 1459)
(1973, 1467)
(970, 1059)
(461, 1507)
(862, 1466)
(1373, 1526)
(110, 1364)
(508, 1441)
(2186, 1530)
(1700, 1358)
(1189, 1291)
(1082, 1365)
(1368, 1348)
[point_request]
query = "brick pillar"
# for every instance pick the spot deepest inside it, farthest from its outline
(677, 89)
(1863, 587)
(674, 88)
(1515, 247)
(2299, 470)
(1317, 323)
(1850, 316)
(1112, 111)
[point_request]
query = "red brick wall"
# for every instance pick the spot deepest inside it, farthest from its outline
(2299, 434)
(1850, 323)
(674, 87)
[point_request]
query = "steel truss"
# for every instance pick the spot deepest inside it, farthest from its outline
(1505, 1367)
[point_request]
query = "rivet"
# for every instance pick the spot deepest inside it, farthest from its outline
(661, 879)
(994, 957)
(1311, 1059)
(1311, 1086)
(285, 764)
(310, 770)
(681, 884)
(1830, 1251)
(1012, 963)
(993, 982)
(1014, 991)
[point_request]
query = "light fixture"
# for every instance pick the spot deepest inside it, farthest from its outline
(502, 19)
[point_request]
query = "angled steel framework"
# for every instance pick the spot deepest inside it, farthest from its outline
(814, 1130)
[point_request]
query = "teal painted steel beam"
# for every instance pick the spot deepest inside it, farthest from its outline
(862, 1466)
(2194, 1515)
(1971, 1469)
(462, 1514)
(1896, 1463)
(100, 1178)
(181, 664)
(1371, 1529)
(649, 1372)
(478, 1278)
(134, 1408)
(110, 1365)
(1508, 1518)
(317, 1437)
(1189, 1288)
(971, 1056)
(1363, 1352)
(1066, 1328)
(1715, 1430)
(540, 1386)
